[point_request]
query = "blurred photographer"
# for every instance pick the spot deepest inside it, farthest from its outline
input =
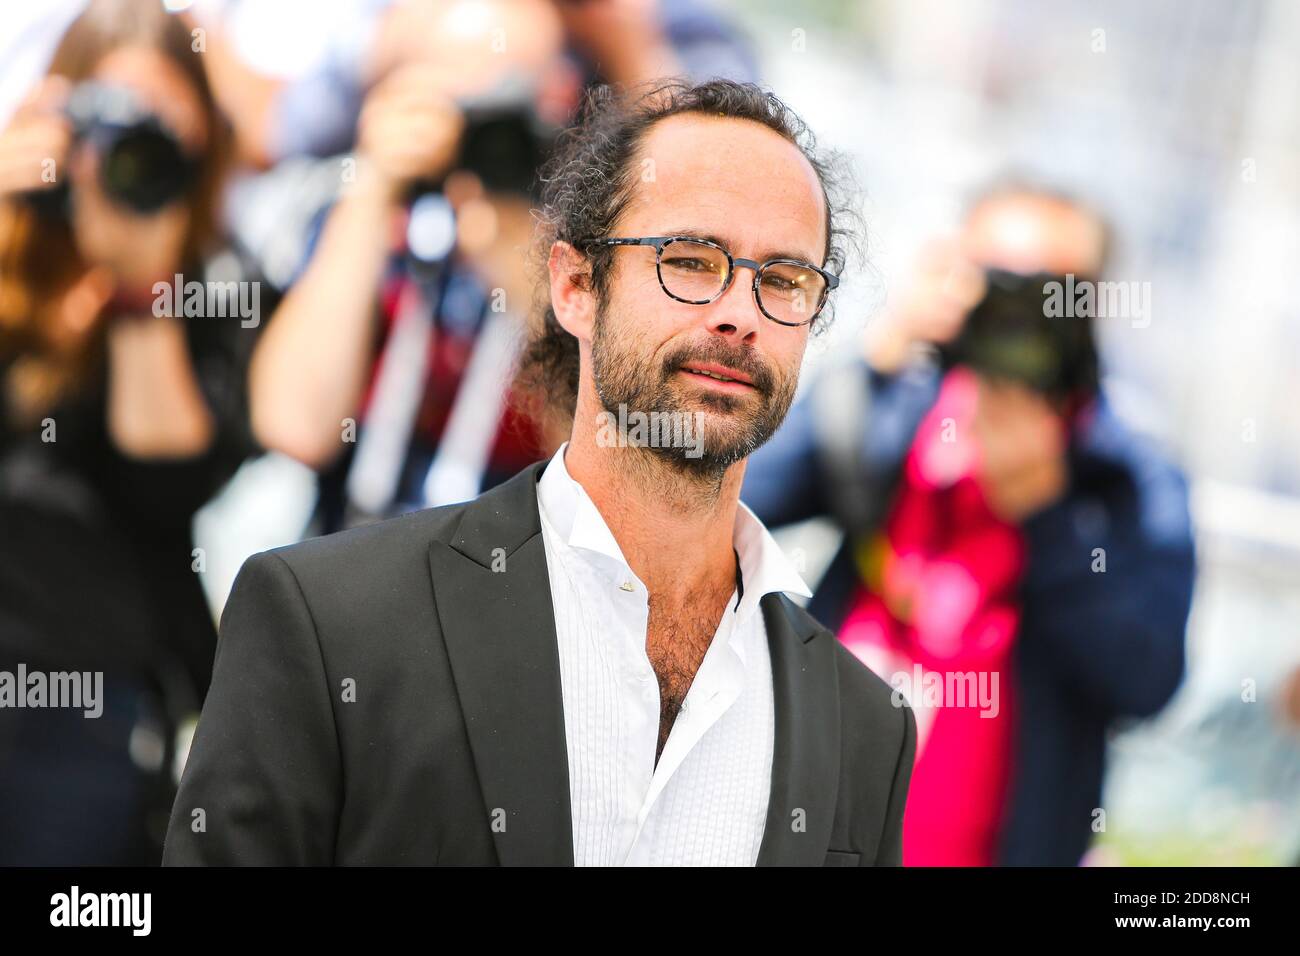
(388, 366)
(119, 417)
(1016, 561)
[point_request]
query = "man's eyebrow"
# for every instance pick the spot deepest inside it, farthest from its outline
(762, 257)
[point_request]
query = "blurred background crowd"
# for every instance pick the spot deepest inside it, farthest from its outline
(1102, 513)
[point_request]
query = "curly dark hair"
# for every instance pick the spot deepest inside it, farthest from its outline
(589, 181)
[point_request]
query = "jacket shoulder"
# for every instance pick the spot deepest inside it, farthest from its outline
(376, 545)
(861, 688)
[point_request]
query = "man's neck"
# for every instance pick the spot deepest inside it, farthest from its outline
(674, 528)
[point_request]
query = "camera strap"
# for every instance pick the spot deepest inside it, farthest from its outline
(456, 472)
(394, 404)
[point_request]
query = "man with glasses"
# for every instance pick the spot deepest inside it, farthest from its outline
(593, 663)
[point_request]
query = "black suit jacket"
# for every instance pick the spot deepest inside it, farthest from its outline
(391, 695)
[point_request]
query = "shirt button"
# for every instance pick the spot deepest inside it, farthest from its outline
(628, 586)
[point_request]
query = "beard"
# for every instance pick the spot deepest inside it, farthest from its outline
(729, 427)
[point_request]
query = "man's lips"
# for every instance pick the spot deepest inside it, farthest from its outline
(718, 375)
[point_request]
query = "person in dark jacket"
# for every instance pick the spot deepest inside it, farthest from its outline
(1056, 556)
(121, 413)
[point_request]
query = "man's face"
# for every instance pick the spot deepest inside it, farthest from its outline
(743, 186)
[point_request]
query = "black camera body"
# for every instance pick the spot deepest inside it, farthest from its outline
(505, 140)
(1013, 334)
(142, 165)
(505, 145)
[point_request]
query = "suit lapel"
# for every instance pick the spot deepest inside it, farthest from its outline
(493, 598)
(806, 754)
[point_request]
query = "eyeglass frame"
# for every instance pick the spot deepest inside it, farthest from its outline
(660, 242)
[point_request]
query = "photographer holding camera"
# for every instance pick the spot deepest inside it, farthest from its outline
(387, 367)
(118, 420)
(1016, 561)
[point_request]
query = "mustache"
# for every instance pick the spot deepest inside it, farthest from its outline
(744, 360)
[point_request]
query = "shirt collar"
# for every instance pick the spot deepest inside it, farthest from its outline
(764, 568)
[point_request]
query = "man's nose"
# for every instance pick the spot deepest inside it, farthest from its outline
(734, 315)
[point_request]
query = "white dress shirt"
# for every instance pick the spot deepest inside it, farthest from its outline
(705, 804)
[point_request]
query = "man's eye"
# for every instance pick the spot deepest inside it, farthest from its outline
(691, 265)
(778, 283)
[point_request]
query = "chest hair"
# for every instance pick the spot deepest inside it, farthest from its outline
(677, 637)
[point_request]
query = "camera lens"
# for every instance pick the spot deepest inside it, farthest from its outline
(143, 168)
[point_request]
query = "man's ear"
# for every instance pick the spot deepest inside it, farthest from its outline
(572, 297)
